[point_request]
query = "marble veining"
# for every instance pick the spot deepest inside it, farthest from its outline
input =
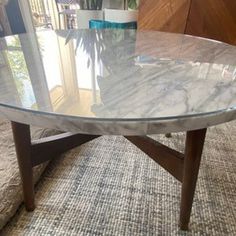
(117, 81)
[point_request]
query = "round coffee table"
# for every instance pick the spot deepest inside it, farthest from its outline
(88, 83)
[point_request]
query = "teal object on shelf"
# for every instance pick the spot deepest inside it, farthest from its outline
(101, 24)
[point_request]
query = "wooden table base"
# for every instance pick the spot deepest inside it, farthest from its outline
(184, 167)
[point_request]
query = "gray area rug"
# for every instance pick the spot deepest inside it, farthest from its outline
(109, 187)
(10, 183)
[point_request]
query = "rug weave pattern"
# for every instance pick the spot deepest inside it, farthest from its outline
(109, 187)
(10, 183)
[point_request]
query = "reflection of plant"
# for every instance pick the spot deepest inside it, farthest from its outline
(89, 41)
(110, 48)
(97, 44)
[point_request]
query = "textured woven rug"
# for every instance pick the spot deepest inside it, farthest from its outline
(109, 187)
(10, 183)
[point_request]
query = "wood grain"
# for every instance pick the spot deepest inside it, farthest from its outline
(163, 15)
(47, 148)
(170, 159)
(193, 152)
(214, 19)
(21, 135)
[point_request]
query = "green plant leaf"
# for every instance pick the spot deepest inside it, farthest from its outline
(132, 4)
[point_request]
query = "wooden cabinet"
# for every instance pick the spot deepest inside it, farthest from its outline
(163, 15)
(214, 19)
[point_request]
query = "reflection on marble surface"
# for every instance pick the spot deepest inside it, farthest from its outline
(117, 81)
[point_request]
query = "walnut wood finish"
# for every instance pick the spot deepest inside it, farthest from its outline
(169, 159)
(193, 152)
(30, 154)
(46, 148)
(21, 135)
(163, 15)
(183, 167)
(215, 19)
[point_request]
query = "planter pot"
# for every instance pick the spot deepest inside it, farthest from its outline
(84, 16)
(120, 16)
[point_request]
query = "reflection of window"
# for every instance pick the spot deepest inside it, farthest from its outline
(59, 67)
(2, 62)
(60, 72)
(19, 71)
(50, 58)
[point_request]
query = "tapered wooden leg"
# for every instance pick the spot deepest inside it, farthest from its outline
(187, 165)
(30, 154)
(193, 152)
(21, 134)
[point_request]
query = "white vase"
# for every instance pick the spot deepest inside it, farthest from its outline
(120, 16)
(84, 16)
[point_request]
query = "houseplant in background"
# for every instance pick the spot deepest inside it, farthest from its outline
(133, 4)
(97, 4)
(90, 4)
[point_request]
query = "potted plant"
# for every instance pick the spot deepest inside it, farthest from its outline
(91, 4)
(133, 4)
(97, 4)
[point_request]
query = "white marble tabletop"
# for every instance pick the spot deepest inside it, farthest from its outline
(118, 82)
